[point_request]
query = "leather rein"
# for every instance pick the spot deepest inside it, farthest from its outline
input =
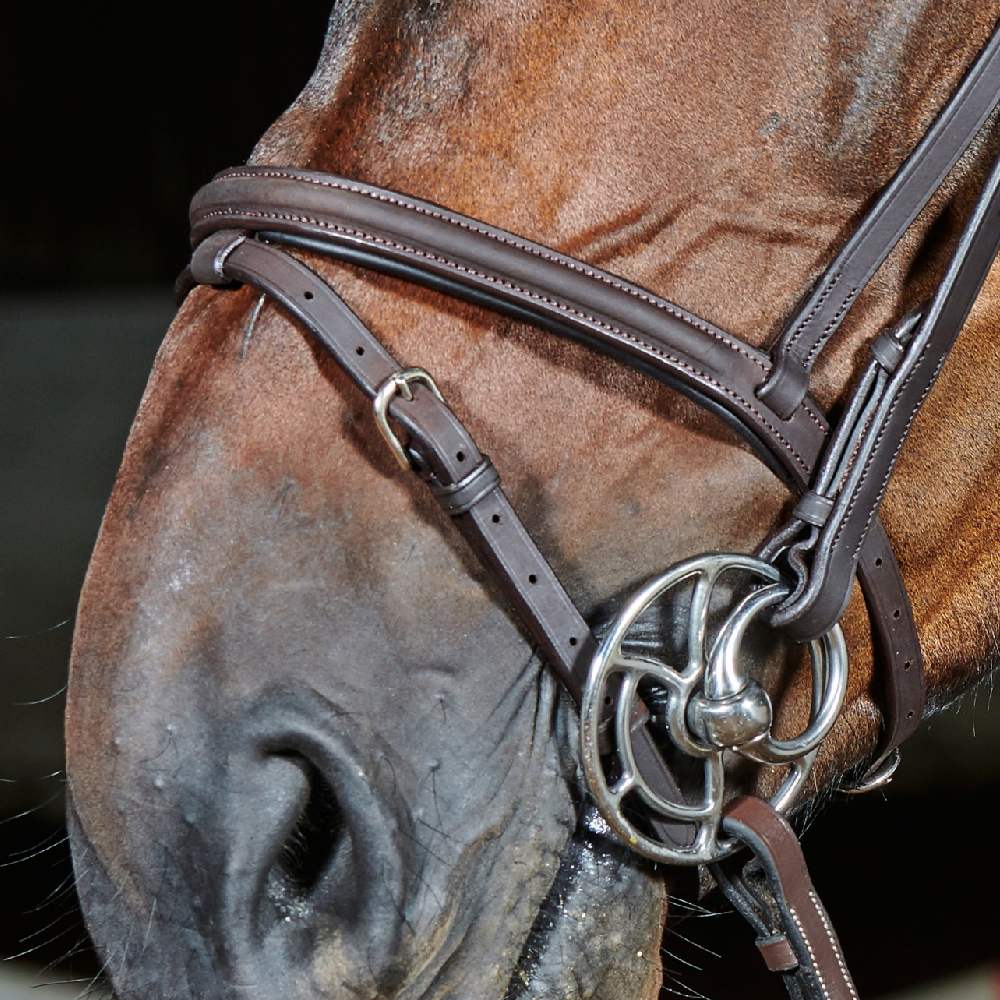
(245, 221)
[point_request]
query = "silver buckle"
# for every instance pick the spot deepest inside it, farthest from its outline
(714, 708)
(399, 384)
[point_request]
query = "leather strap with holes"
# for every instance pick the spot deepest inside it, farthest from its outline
(462, 479)
(861, 455)
(430, 245)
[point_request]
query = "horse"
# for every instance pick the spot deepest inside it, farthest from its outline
(309, 749)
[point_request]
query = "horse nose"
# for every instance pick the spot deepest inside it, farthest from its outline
(310, 849)
(311, 834)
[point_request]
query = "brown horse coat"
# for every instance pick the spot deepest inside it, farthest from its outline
(263, 569)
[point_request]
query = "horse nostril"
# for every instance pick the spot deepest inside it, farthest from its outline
(311, 845)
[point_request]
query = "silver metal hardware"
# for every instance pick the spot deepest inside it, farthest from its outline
(876, 777)
(399, 384)
(714, 707)
(731, 721)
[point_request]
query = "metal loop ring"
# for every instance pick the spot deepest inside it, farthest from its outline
(713, 708)
(877, 776)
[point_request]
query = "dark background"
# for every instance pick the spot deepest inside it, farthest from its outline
(111, 124)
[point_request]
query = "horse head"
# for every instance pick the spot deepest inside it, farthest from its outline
(310, 749)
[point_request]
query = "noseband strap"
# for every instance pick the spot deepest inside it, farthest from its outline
(444, 454)
(247, 222)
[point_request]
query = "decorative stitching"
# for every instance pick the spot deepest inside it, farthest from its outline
(883, 427)
(833, 943)
(830, 327)
(892, 461)
(814, 417)
(812, 312)
(555, 303)
(812, 954)
(912, 165)
(510, 240)
(567, 262)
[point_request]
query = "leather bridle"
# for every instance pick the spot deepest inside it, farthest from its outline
(247, 219)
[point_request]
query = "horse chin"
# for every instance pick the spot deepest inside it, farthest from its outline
(598, 933)
(596, 937)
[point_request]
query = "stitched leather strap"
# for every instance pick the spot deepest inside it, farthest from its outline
(425, 243)
(428, 244)
(904, 687)
(775, 894)
(465, 482)
(862, 455)
(902, 200)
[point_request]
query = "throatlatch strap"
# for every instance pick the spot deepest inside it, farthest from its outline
(775, 894)
(900, 202)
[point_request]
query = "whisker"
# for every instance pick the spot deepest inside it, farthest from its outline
(42, 930)
(81, 945)
(61, 890)
(41, 632)
(696, 909)
(40, 843)
(37, 853)
(44, 944)
(685, 991)
(691, 941)
(93, 982)
(40, 701)
(149, 926)
(61, 982)
(33, 809)
(683, 961)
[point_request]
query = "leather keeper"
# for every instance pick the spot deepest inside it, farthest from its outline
(887, 351)
(461, 497)
(208, 261)
(813, 509)
(778, 954)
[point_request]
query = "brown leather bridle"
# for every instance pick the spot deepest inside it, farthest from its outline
(243, 220)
